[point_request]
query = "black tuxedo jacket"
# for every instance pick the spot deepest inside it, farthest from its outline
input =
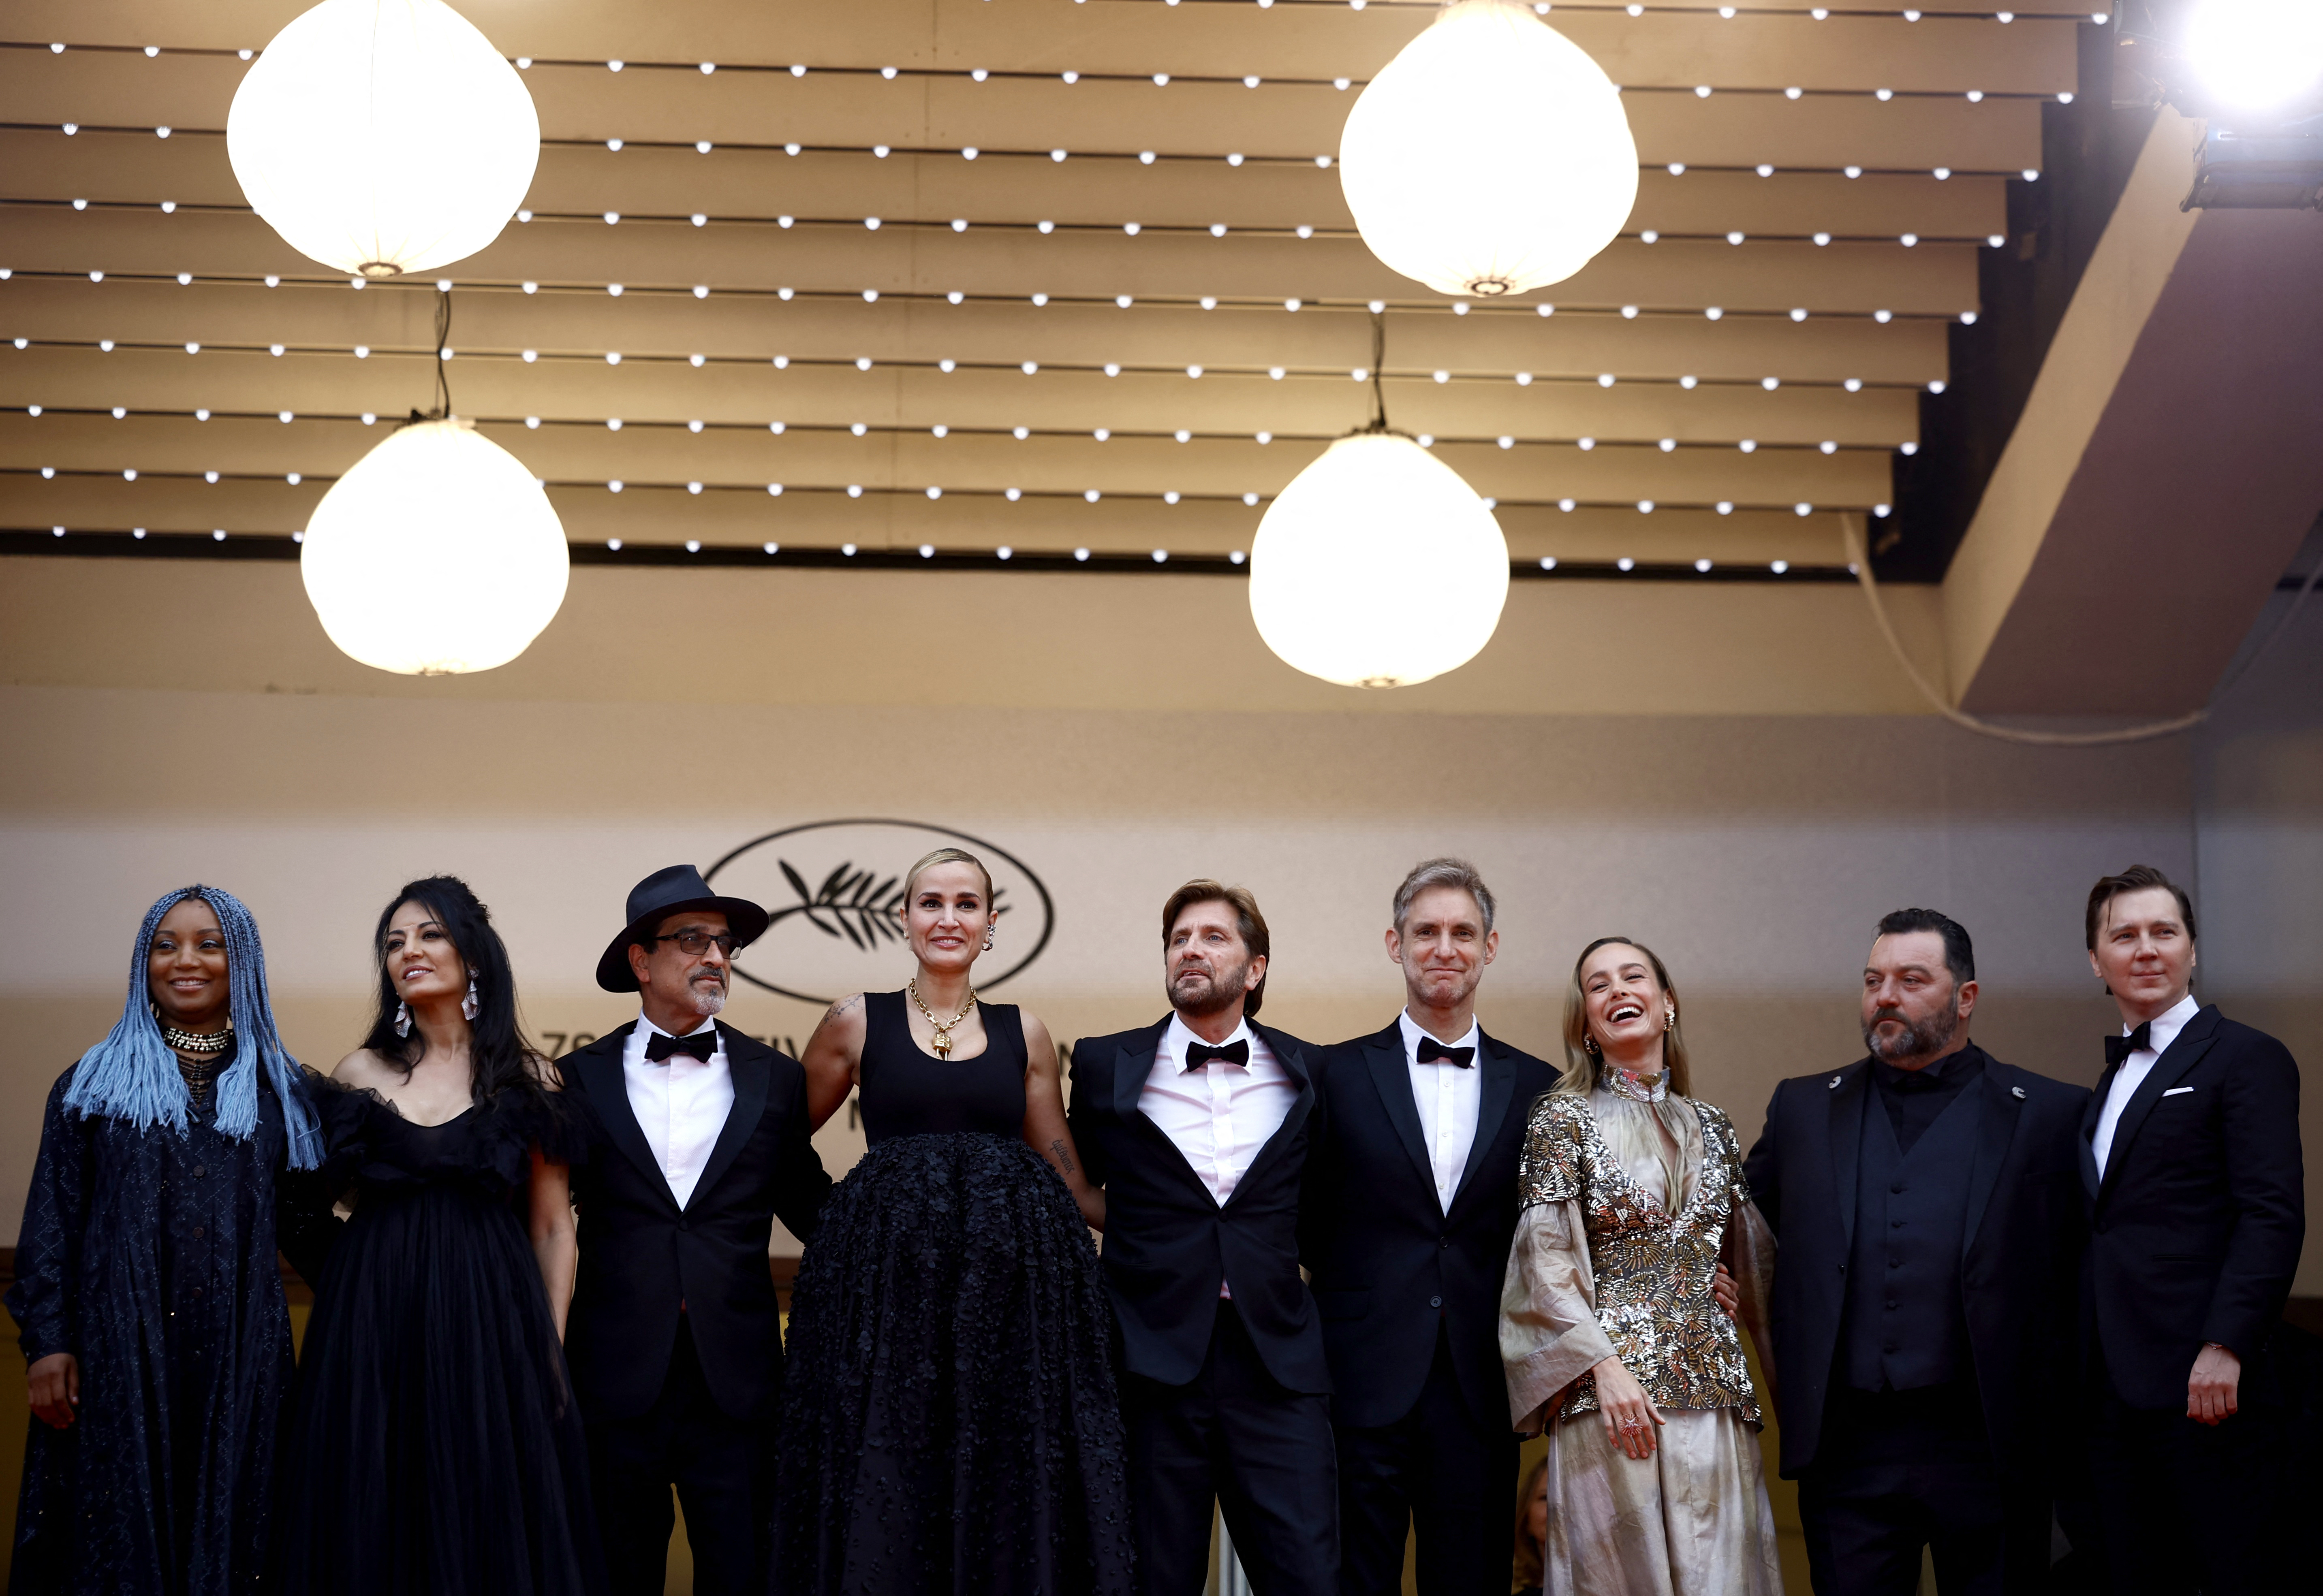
(1169, 1242)
(2022, 1240)
(2195, 1230)
(1388, 1265)
(641, 1256)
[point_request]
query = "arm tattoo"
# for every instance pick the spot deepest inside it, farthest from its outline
(844, 1006)
(1064, 1158)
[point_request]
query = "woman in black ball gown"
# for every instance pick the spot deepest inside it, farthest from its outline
(436, 1446)
(949, 1417)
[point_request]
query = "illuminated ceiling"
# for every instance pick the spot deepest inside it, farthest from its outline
(1123, 326)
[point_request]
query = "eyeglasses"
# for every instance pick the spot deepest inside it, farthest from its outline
(694, 943)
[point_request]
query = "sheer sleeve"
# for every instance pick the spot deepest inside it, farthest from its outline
(1748, 1252)
(1549, 1333)
(45, 1297)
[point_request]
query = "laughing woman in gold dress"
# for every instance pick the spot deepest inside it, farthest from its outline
(1632, 1196)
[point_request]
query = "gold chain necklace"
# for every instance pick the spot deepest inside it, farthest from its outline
(944, 1028)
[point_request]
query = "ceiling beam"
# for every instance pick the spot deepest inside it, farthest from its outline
(2165, 468)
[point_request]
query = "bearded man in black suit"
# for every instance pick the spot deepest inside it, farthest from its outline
(699, 1138)
(1197, 1127)
(1924, 1198)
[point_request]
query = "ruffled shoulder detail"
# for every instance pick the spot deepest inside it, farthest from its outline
(1550, 1172)
(529, 1117)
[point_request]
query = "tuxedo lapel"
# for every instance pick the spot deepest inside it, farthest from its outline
(1294, 1063)
(1132, 1065)
(1996, 1130)
(1384, 1060)
(2090, 1114)
(609, 1094)
(2186, 1050)
(1846, 1129)
(752, 1068)
(1500, 1090)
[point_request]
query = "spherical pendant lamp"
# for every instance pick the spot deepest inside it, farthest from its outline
(384, 136)
(1378, 566)
(1492, 156)
(436, 554)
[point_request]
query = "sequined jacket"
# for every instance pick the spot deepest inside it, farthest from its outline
(1599, 1267)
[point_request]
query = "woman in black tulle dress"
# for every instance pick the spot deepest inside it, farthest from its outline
(435, 1446)
(949, 1417)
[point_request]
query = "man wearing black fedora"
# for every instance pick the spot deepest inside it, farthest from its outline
(698, 1138)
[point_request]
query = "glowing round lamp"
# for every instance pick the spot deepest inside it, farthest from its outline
(384, 136)
(1492, 156)
(1378, 566)
(436, 554)
(2256, 55)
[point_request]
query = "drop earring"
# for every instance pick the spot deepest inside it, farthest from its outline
(1669, 1021)
(403, 1019)
(468, 1004)
(987, 939)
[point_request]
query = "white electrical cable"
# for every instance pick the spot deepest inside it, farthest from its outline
(1851, 528)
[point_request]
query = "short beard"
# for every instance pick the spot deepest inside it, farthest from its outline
(1923, 1041)
(1224, 990)
(706, 1003)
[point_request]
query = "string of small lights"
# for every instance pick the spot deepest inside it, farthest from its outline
(963, 224)
(1439, 377)
(1040, 301)
(1055, 156)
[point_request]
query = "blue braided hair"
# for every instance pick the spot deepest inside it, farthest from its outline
(132, 1075)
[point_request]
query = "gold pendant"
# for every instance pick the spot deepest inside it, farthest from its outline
(943, 1044)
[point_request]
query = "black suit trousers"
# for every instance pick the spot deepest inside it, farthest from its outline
(1899, 1471)
(1262, 1453)
(721, 1467)
(1441, 1473)
(2185, 1507)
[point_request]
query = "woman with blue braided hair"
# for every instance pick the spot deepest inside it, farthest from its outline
(146, 1287)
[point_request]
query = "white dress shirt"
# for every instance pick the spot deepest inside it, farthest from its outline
(2162, 1030)
(1448, 1098)
(681, 1104)
(1220, 1115)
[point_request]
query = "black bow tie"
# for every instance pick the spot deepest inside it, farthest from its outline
(1198, 1053)
(2118, 1048)
(700, 1045)
(1431, 1049)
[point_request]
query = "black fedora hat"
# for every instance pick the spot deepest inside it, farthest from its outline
(672, 889)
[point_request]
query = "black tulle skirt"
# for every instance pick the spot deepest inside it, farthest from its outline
(950, 1421)
(436, 1450)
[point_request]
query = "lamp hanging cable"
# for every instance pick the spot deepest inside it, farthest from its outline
(1860, 561)
(1379, 359)
(443, 409)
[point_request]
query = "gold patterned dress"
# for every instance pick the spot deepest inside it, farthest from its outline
(1622, 1230)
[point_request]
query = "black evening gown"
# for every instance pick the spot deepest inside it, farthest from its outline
(435, 1448)
(150, 1256)
(950, 1419)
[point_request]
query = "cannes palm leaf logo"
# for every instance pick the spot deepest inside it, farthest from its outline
(859, 905)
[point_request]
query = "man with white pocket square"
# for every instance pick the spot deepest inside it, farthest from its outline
(2191, 1156)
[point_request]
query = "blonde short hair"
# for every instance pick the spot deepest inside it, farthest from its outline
(946, 856)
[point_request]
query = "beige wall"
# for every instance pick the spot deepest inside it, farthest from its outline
(1754, 847)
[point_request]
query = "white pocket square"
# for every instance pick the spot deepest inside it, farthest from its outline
(2173, 1091)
